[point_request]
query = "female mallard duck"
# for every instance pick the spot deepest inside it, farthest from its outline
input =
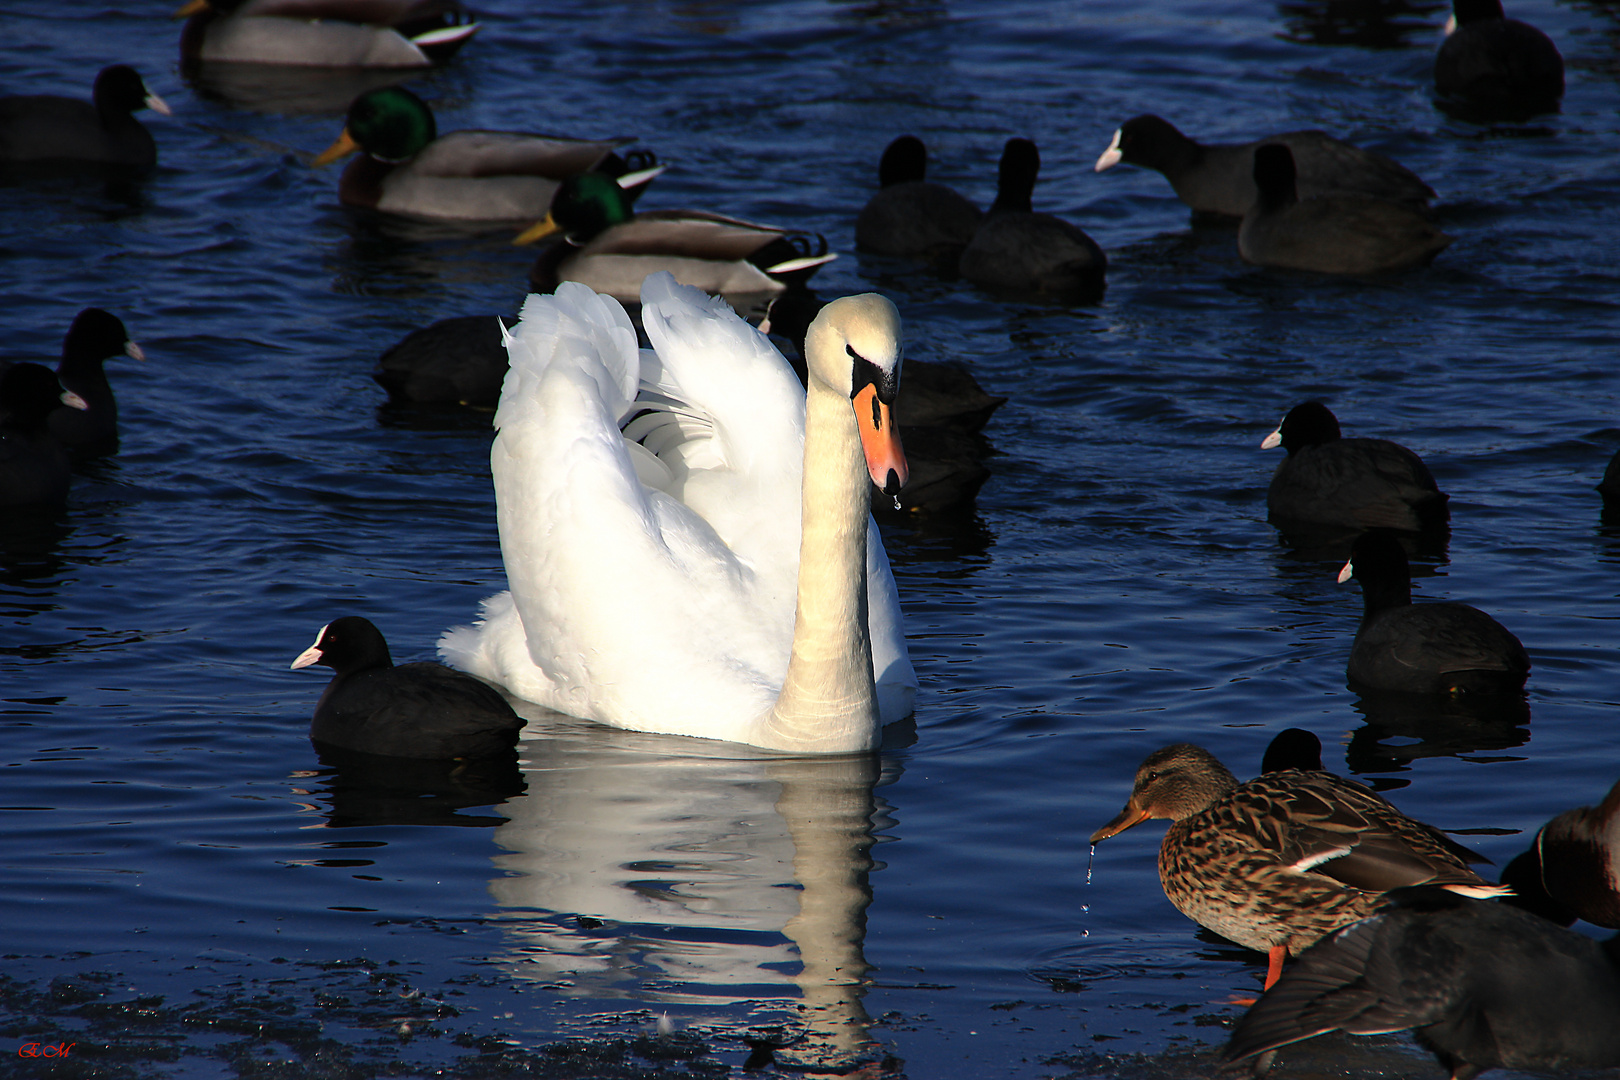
(611, 248)
(1018, 250)
(1328, 480)
(1572, 871)
(1484, 986)
(407, 168)
(911, 216)
(650, 508)
(1220, 179)
(46, 128)
(1276, 863)
(324, 33)
(1423, 648)
(420, 710)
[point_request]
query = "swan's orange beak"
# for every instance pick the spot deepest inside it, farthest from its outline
(880, 440)
(344, 146)
(193, 7)
(1131, 815)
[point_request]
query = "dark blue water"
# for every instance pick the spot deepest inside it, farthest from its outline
(1118, 588)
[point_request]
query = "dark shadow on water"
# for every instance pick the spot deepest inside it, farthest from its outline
(1368, 24)
(952, 544)
(367, 789)
(31, 563)
(1403, 728)
(1324, 543)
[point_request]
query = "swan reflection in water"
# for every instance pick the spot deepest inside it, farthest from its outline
(676, 870)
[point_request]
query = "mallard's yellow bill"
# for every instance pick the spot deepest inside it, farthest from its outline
(344, 146)
(538, 231)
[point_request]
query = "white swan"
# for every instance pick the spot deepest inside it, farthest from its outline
(649, 506)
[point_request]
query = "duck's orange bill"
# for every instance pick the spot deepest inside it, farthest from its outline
(538, 231)
(881, 442)
(190, 8)
(344, 146)
(1127, 817)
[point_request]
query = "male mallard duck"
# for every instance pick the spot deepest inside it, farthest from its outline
(611, 248)
(1278, 862)
(1442, 648)
(1495, 66)
(94, 337)
(34, 465)
(420, 710)
(1330, 234)
(1018, 250)
(1484, 986)
(1572, 871)
(909, 215)
(324, 33)
(46, 128)
(407, 168)
(1328, 480)
(1220, 179)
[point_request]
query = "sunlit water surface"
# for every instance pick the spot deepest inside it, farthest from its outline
(1117, 588)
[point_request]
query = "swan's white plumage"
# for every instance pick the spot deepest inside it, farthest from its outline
(653, 570)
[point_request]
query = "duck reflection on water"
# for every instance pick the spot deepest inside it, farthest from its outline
(683, 871)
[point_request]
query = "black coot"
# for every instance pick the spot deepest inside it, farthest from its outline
(1332, 234)
(1482, 984)
(420, 710)
(1441, 648)
(1328, 480)
(94, 337)
(912, 216)
(46, 128)
(1497, 67)
(1018, 250)
(459, 361)
(34, 465)
(1220, 179)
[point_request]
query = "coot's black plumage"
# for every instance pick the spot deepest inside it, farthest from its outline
(34, 465)
(1293, 748)
(1328, 480)
(459, 361)
(1484, 985)
(1220, 179)
(420, 710)
(1331, 234)
(1018, 250)
(1496, 65)
(1440, 648)
(94, 337)
(912, 216)
(1572, 871)
(46, 128)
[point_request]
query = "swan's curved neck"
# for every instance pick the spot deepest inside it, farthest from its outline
(828, 702)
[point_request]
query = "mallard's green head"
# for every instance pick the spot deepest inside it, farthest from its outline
(391, 124)
(583, 206)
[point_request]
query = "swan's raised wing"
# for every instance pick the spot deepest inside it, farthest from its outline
(632, 605)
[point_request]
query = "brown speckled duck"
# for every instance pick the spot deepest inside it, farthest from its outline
(1278, 862)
